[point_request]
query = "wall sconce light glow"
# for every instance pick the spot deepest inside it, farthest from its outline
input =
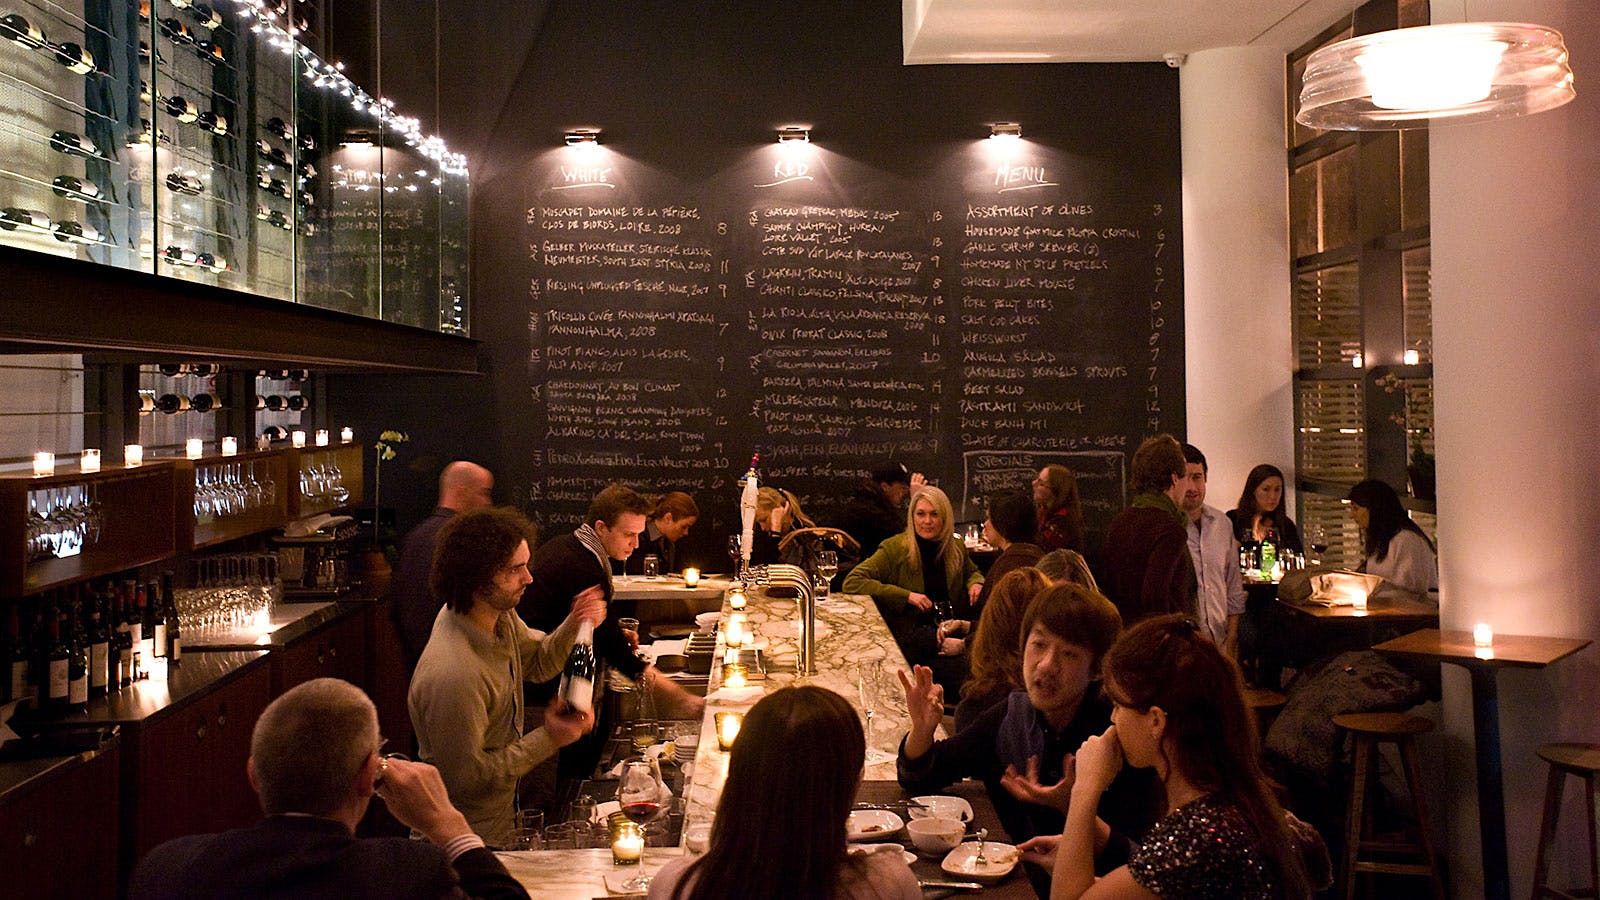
(794, 134)
(1413, 357)
(1005, 131)
(579, 137)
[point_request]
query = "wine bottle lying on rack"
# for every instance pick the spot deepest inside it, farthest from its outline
(205, 16)
(181, 109)
(298, 403)
(204, 402)
(210, 52)
(147, 134)
(185, 184)
(20, 31)
(13, 217)
(273, 186)
(74, 188)
(144, 91)
(274, 155)
(213, 122)
(276, 433)
(73, 145)
(69, 231)
(279, 127)
(172, 404)
(75, 58)
(276, 403)
(176, 31)
(182, 256)
(273, 217)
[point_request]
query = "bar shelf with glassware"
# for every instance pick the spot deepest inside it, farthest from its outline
(230, 497)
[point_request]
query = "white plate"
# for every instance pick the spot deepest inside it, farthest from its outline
(940, 807)
(905, 854)
(872, 825)
(1002, 858)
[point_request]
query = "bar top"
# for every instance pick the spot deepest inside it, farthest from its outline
(577, 874)
(142, 701)
(287, 623)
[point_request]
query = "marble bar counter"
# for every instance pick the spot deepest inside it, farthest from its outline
(578, 874)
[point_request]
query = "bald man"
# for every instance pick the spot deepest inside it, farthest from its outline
(463, 487)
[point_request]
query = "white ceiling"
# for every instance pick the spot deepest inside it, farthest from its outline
(1003, 31)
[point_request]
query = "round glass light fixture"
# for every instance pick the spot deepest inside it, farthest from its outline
(1435, 74)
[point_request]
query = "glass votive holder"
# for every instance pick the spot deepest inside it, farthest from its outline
(230, 446)
(44, 463)
(133, 455)
(91, 461)
(728, 724)
(1482, 635)
(691, 577)
(736, 599)
(627, 844)
(322, 437)
(297, 438)
(733, 634)
(697, 838)
(346, 435)
(734, 675)
(194, 448)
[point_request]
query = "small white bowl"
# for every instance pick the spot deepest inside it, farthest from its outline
(872, 825)
(936, 806)
(935, 836)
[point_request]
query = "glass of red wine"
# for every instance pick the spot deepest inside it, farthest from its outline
(639, 795)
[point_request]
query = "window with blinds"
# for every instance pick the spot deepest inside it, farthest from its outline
(1363, 324)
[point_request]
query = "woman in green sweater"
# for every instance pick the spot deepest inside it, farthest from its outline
(925, 586)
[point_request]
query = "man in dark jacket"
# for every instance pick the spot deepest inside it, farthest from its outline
(314, 763)
(1146, 569)
(877, 506)
(463, 487)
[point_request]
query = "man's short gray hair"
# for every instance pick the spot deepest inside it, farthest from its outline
(309, 744)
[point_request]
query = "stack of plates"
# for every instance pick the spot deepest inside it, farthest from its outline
(686, 746)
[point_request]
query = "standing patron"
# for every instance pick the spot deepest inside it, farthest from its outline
(674, 514)
(1009, 527)
(876, 508)
(1146, 570)
(1220, 599)
(463, 487)
(466, 696)
(1055, 495)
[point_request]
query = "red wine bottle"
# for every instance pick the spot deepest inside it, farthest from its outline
(213, 122)
(13, 217)
(211, 52)
(73, 145)
(55, 661)
(77, 663)
(74, 188)
(121, 638)
(143, 626)
(298, 403)
(184, 184)
(204, 402)
(15, 28)
(181, 109)
(172, 404)
(273, 186)
(99, 647)
(70, 231)
(276, 433)
(577, 679)
(205, 16)
(78, 60)
(15, 658)
(279, 127)
(175, 30)
(168, 642)
(277, 402)
(212, 261)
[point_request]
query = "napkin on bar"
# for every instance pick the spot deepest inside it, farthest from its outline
(736, 695)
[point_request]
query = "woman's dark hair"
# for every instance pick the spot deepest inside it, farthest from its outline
(1063, 486)
(997, 644)
(1385, 516)
(780, 826)
(1157, 461)
(1014, 517)
(1169, 662)
(1247, 500)
(681, 505)
(472, 548)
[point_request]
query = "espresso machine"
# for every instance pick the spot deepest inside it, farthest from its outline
(314, 557)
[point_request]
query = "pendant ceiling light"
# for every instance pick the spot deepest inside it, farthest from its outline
(1435, 74)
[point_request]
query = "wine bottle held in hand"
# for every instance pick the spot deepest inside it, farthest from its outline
(577, 679)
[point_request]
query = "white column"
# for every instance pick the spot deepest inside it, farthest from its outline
(1236, 266)
(1516, 307)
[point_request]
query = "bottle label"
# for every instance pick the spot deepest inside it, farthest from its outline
(19, 679)
(175, 649)
(124, 665)
(78, 690)
(137, 632)
(578, 693)
(161, 639)
(58, 679)
(98, 661)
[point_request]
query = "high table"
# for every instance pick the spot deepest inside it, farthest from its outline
(1483, 663)
(666, 598)
(1294, 634)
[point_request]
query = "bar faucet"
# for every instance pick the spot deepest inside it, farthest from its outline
(785, 575)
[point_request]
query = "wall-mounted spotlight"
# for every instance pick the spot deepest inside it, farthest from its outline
(794, 134)
(580, 136)
(1005, 131)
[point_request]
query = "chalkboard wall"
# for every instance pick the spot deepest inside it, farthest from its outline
(691, 290)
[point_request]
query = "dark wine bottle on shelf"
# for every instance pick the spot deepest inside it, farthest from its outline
(168, 640)
(306, 170)
(271, 154)
(205, 16)
(175, 30)
(307, 200)
(277, 403)
(55, 662)
(143, 628)
(213, 122)
(121, 637)
(204, 402)
(276, 433)
(279, 127)
(181, 109)
(99, 647)
(77, 663)
(172, 403)
(297, 375)
(577, 679)
(12, 218)
(185, 184)
(298, 403)
(73, 145)
(172, 370)
(272, 185)
(211, 52)
(307, 142)
(144, 91)
(155, 624)
(15, 658)
(78, 60)
(211, 261)
(149, 134)
(74, 188)
(20, 31)
(70, 231)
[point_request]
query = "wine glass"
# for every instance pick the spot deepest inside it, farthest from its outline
(734, 553)
(827, 567)
(639, 796)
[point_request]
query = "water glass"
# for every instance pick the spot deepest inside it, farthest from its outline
(652, 565)
(581, 812)
(530, 831)
(564, 836)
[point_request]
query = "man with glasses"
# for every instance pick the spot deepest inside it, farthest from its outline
(466, 696)
(314, 763)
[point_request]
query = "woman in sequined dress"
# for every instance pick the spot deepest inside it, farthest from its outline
(1179, 709)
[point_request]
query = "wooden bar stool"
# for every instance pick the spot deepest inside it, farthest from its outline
(1266, 704)
(1370, 730)
(1582, 760)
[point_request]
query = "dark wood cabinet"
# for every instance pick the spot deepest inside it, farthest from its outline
(59, 834)
(335, 650)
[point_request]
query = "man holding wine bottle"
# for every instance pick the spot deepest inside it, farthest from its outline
(466, 696)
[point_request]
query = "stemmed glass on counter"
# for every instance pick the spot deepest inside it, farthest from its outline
(639, 796)
(734, 553)
(827, 567)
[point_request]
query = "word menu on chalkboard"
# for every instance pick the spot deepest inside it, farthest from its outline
(1016, 308)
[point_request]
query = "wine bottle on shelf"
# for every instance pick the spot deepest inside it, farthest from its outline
(279, 127)
(17, 29)
(298, 403)
(276, 433)
(204, 402)
(74, 188)
(175, 30)
(172, 403)
(277, 402)
(143, 628)
(99, 647)
(71, 231)
(155, 623)
(307, 200)
(149, 135)
(168, 643)
(77, 664)
(307, 142)
(205, 16)
(12, 218)
(55, 661)
(181, 4)
(73, 145)
(172, 370)
(185, 184)
(211, 261)
(297, 375)
(306, 170)
(272, 185)
(15, 657)
(211, 52)
(122, 637)
(274, 155)
(144, 91)
(577, 679)
(213, 122)
(181, 109)
(77, 60)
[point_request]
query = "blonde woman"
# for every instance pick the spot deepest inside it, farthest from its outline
(925, 585)
(777, 513)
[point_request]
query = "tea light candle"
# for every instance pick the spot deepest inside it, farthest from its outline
(133, 455)
(736, 599)
(731, 655)
(691, 577)
(733, 675)
(297, 438)
(91, 461)
(346, 435)
(1412, 357)
(733, 634)
(728, 729)
(322, 437)
(627, 845)
(193, 448)
(1482, 635)
(44, 463)
(230, 446)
